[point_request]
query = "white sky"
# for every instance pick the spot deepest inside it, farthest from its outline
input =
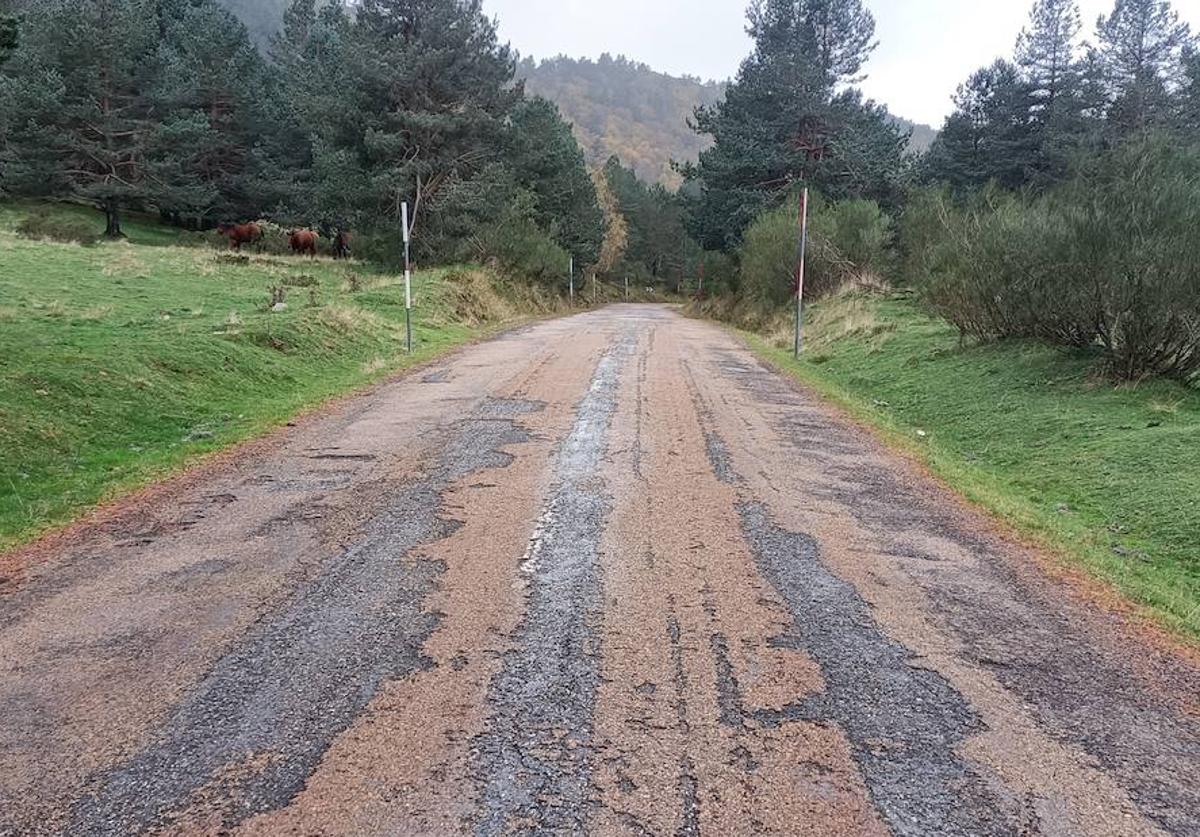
(927, 47)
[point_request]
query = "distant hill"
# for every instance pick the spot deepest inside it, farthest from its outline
(262, 17)
(625, 108)
(922, 135)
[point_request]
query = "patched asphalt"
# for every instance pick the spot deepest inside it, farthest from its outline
(733, 607)
(536, 757)
(246, 738)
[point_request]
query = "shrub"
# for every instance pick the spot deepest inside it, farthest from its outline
(521, 250)
(862, 235)
(720, 273)
(770, 247)
(1109, 260)
(43, 225)
(923, 244)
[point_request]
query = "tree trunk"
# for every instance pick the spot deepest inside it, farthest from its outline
(112, 219)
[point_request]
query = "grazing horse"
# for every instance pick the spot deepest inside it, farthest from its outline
(239, 234)
(341, 245)
(303, 242)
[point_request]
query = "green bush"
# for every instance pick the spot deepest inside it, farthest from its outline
(44, 226)
(768, 255)
(862, 235)
(522, 251)
(922, 242)
(1109, 260)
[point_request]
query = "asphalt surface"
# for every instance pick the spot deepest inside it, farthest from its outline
(606, 574)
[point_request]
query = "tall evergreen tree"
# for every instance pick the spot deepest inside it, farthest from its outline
(781, 121)
(1047, 57)
(1189, 94)
(438, 86)
(547, 160)
(8, 35)
(989, 135)
(82, 119)
(319, 155)
(1140, 45)
(214, 85)
(657, 237)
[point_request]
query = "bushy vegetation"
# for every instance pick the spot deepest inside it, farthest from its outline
(1062, 200)
(43, 224)
(1110, 260)
(848, 243)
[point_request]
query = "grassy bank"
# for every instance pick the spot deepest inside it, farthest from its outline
(1108, 476)
(121, 362)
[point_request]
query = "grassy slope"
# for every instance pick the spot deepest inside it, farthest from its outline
(1107, 475)
(119, 363)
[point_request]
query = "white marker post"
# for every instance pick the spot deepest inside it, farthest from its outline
(407, 278)
(627, 289)
(572, 270)
(800, 272)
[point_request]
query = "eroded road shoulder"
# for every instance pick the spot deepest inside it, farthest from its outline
(604, 575)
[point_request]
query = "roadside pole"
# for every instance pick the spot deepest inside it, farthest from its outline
(800, 272)
(627, 289)
(407, 279)
(572, 270)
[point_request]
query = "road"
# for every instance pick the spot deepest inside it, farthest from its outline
(604, 574)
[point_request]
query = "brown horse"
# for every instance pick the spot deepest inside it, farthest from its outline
(239, 234)
(303, 242)
(341, 245)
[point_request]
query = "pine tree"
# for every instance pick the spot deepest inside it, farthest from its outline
(781, 121)
(212, 89)
(8, 35)
(1189, 94)
(1047, 56)
(1140, 48)
(80, 81)
(547, 161)
(321, 114)
(989, 135)
(438, 86)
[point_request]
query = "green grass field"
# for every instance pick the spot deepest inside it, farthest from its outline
(1109, 476)
(121, 362)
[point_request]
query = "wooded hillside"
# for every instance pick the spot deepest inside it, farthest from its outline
(623, 108)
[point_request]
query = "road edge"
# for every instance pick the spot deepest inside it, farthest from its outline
(1055, 561)
(173, 481)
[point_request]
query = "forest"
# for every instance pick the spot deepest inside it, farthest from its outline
(1058, 202)
(625, 109)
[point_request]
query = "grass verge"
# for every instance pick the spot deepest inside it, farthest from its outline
(1107, 476)
(122, 362)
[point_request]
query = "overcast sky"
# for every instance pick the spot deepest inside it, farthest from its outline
(927, 47)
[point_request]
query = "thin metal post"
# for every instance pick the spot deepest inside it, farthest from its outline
(800, 272)
(627, 289)
(572, 268)
(407, 280)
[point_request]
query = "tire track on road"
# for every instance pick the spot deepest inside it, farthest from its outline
(535, 760)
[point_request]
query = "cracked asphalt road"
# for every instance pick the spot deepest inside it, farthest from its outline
(606, 574)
